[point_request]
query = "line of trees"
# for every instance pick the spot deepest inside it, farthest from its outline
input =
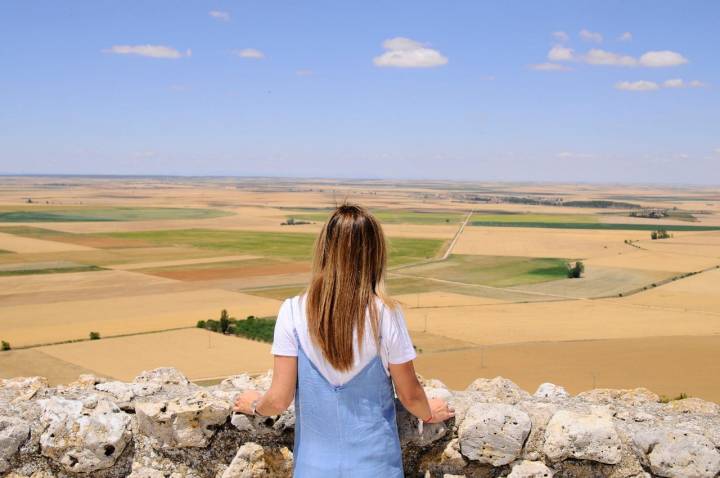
(252, 327)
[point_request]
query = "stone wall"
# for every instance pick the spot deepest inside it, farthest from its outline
(162, 426)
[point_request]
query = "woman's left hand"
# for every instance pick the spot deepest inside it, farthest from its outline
(243, 402)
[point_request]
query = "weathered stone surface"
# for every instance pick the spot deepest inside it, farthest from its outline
(583, 436)
(175, 429)
(143, 472)
(252, 461)
(499, 389)
(409, 430)
(83, 435)
(13, 432)
(632, 397)
(695, 405)
(551, 392)
(493, 433)
(182, 422)
(675, 454)
(19, 389)
(530, 469)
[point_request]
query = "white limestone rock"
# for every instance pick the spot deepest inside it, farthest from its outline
(252, 461)
(530, 469)
(181, 422)
(83, 438)
(20, 389)
(583, 436)
(13, 432)
(493, 433)
(451, 455)
(676, 454)
(695, 405)
(551, 391)
(499, 389)
(143, 472)
(635, 397)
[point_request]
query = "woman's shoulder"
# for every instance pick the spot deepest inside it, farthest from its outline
(391, 310)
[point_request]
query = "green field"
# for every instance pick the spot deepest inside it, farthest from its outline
(389, 216)
(49, 270)
(80, 214)
(534, 218)
(597, 225)
(496, 271)
(296, 246)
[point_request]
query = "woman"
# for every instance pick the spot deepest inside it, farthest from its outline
(339, 349)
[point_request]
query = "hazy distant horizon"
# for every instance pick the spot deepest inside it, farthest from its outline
(418, 180)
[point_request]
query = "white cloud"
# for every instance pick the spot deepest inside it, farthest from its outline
(406, 53)
(593, 37)
(250, 53)
(674, 83)
(562, 37)
(664, 58)
(680, 83)
(597, 56)
(561, 53)
(602, 57)
(627, 36)
(304, 72)
(152, 51)
(218, 15)
(641, 85)
(550, 67)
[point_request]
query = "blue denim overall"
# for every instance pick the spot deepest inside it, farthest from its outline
(345, 431)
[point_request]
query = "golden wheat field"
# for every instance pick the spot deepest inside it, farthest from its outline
(480, 270)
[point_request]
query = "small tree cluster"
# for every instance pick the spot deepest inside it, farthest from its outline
(575, 271)
(660, 234)
(5, 345)
(252, 327)
(94, 335)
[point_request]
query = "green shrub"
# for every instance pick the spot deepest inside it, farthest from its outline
(255, 328)
(200, 324)
(5, 346)
(575, 271)
(94, 335)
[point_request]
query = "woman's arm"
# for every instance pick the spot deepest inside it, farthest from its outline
(413, 398)
(278, 397)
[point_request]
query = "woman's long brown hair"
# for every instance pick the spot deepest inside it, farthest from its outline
(348, 274)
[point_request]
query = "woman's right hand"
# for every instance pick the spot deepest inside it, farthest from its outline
(440, 409)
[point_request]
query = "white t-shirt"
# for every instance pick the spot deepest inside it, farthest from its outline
(396, 345)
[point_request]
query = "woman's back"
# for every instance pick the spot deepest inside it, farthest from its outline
(395, 344)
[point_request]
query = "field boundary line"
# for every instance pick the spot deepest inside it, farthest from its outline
(447, 252)
(72, 341)
(656, 284)
(455, 238)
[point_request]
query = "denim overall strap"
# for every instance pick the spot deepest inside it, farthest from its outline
(347, 431)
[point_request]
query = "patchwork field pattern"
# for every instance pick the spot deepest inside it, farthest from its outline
(141, 260)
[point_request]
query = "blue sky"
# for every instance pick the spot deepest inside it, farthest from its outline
(592, 91)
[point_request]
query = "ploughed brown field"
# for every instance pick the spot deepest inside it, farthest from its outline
(479, 269)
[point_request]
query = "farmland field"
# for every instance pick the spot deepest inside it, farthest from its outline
(142, 260)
